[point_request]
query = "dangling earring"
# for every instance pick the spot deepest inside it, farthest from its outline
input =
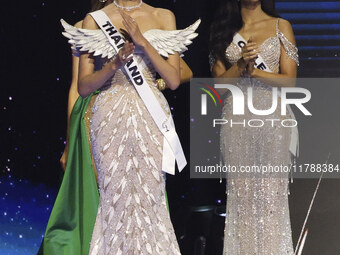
(102, 1)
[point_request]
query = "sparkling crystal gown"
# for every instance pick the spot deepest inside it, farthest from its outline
(127, 148)
(132, 216)
(257, 217)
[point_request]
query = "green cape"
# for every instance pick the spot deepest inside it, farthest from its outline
(70, 226)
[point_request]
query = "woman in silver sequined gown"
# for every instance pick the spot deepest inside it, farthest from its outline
(257, 214)
(126, 143)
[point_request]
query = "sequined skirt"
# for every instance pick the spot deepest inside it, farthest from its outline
(257, 217)
(132, 216)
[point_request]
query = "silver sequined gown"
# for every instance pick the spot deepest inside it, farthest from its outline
(257, 217)
(132, 216)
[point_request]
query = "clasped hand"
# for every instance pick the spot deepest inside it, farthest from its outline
(132, 28)
(133, 37)
(249, 55)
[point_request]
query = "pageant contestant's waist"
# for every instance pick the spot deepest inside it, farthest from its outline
(121, 80)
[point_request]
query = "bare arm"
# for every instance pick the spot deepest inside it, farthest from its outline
(288, 67)
(219, 70)
(185, 71)
(249, 53)
(168, 69)
(185, 74)
(72, 98)
(90, 80)
(73, 91)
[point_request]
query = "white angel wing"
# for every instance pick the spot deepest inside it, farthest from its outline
(164, 41)
(168, 41)
(90, 41)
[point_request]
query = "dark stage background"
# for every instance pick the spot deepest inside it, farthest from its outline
(35, 76)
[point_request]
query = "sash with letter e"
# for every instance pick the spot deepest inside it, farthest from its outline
(172, 149)
(239, 41)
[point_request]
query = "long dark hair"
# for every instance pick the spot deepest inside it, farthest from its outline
(227, 22)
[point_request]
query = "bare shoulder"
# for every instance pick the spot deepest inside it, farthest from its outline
(89, 22)
(166, 18)
(79, 24)
(286, 28)
(161, 12)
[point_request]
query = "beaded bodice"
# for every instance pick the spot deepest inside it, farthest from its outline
(270, 50)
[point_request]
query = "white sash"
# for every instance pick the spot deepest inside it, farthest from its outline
(239, 41)
(259, 62)
(172, 149)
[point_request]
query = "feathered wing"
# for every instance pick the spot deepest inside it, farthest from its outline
(89, 41)
(164, 41)
(170, 41)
